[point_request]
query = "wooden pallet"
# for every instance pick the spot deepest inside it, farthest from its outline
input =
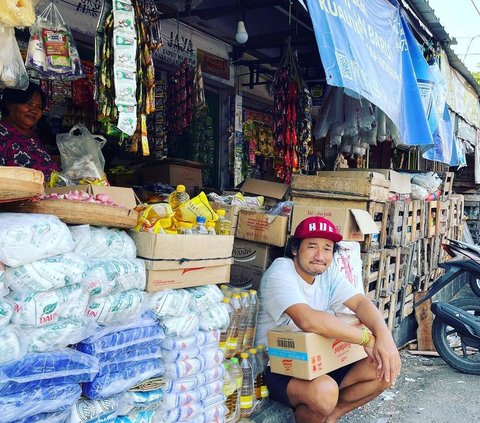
(379, 213)
(394, 227)
(374, 273)
(455, 217)
(431, 210)
(413, 222)
(447, 186)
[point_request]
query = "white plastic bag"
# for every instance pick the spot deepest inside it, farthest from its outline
(104, 410)
(116, 308)
(81, 154)
(103, 242)
(12, 70)
(46, 274)
(43, 308)
(25, 238)
(12, 344)
(17, 13)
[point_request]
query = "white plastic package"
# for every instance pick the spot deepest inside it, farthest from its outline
(181, 326)
(12, 70)
(59, 335)
(6, 311)
(215, 317)
(12, 345)
(170, 302)
(103, 242)
(3, 282)
(111, 276)
(115, 308)
(25, 238)
(49, 273)
(42, 308)
(204, 296)
(418, 192)
(134, 401)
(102, 410)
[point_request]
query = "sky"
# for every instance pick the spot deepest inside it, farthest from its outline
(461, 21)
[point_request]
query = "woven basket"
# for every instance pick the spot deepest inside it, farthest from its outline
(19, 183)
(79, 212)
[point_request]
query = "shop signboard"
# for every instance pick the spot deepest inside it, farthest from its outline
(363, 49)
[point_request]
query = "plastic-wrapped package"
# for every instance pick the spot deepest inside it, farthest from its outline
(181, 326)
(103, 242)
(105, 344)
(170, 302)
(140, 417)
(216, 413)
(183, 368)
(215, 317)
(25, 238)
(12, 345)
(3, 282)
(40, 370)
(46, 274)
(179, 399)
(91, 411)
(54, 417)
(42, 308)
(187, 413)
(112, 384)
(188, 342)
(39, 400)
(175, 355)
(191, 382)
(111, 276)
(204, 297)
(135, 401)
(59, 335)
(116, 308)
(212, 357)
(12, 70)
(6, 311)
(120, 361)
(418, 192)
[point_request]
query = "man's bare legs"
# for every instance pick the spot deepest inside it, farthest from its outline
(321, 400)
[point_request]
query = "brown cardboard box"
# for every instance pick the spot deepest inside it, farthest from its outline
(173, 173)
(353, 224)
(245, 277)
(179, 261)
(343, 185)
(250, 260)
(307, 355)
(120, 195)
(231, 212)
(272, 191)
(399, 182)
(262, 227)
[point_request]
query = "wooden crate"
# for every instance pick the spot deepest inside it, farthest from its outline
(379, 213)
(447, 186)
(431, 210)
(443, 217)
(387, 307)
(374, 273)
(394, 225)
(413, 222)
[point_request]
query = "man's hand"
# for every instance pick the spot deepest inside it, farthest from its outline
(386, 355)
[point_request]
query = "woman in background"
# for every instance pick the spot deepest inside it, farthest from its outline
(19, 143)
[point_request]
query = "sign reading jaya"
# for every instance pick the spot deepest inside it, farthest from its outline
(363, 49)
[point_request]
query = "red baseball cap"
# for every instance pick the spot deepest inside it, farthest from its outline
(317, 227)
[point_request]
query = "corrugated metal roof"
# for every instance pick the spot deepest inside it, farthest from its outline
(427, 15)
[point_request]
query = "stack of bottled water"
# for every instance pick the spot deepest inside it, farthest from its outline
(192, 319)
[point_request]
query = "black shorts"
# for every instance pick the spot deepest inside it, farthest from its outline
(277, 384)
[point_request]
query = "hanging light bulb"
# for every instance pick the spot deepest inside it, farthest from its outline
(242, 35)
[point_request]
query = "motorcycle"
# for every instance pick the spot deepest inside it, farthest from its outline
(456, 326)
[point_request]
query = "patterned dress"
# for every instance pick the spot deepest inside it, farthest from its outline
(17, 149)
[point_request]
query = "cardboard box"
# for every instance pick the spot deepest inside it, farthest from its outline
(326, 201)
(254, 255)
(307, 355)
(245, 277)
(231, 212)
(173, 173)
(250, 260)
(122, 196)
(262, 227)
(353, 224)
(343, 185)
(272, 191)
(180, 261)
(399, 182)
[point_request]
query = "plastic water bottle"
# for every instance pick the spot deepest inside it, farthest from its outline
(253, 359)
(178, 197)
(200, 228)
(247, 392)
(235, 319)
(243, 321)
(211, 228)
(252, 319)
(224, 226)
(236, 371)
(185, 228)
(262, 359)
(230, 390)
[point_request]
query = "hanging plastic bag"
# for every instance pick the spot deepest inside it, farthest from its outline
(52, 50)
(81, 154)
(12, 70)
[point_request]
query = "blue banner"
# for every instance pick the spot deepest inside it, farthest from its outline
(363, 49)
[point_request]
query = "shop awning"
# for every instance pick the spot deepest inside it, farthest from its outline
(363, 49)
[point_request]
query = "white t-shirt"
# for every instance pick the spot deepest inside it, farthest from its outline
(282, 287)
